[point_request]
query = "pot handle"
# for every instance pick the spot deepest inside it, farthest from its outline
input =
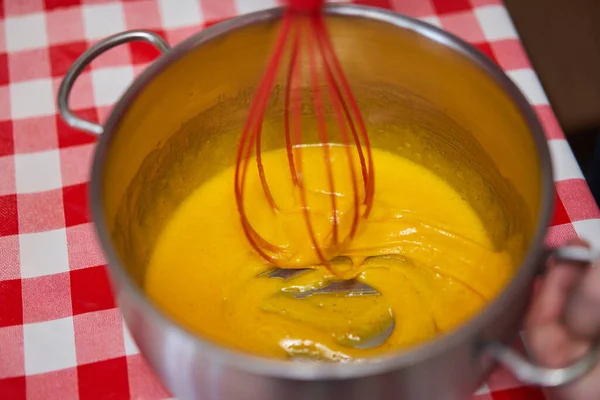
(527, 371)
(85, 59)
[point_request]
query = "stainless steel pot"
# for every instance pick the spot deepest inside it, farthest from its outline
(425, 94)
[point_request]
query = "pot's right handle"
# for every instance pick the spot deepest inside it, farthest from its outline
(83, 61)
(527, 371)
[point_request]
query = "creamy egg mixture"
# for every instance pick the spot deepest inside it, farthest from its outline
(424, 249)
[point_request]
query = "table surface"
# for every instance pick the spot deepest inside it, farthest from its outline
(61, 335)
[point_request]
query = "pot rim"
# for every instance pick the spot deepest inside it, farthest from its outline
(308, 371)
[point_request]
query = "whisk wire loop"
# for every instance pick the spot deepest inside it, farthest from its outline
(304, 35)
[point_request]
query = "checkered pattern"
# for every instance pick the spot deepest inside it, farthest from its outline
(60, 333)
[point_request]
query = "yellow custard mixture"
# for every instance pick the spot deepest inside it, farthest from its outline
(424, 249)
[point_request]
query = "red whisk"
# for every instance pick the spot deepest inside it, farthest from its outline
(305, 47)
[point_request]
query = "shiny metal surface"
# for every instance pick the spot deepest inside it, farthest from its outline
(85, 59)
(374, 337)
(577, 253)
(425, 95)
(346, 288)
(526, 370)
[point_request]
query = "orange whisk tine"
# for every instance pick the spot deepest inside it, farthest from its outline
(337, 102)
(323, 136)
(352, 112)
(303, 30)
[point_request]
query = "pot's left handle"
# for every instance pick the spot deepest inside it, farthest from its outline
(528, 371)
(83, 61)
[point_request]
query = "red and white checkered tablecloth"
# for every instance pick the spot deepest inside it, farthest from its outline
(61, 335)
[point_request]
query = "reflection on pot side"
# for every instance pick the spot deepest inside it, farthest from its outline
(441, 270)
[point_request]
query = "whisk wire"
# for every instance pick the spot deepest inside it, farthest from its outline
(252, 132)
(299, 31)
(292, 108)
(336, 97)
(323, 136)
(366, 165)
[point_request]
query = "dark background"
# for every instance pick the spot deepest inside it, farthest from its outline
(562, 39)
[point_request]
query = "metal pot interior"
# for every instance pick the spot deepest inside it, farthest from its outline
(421, 98)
